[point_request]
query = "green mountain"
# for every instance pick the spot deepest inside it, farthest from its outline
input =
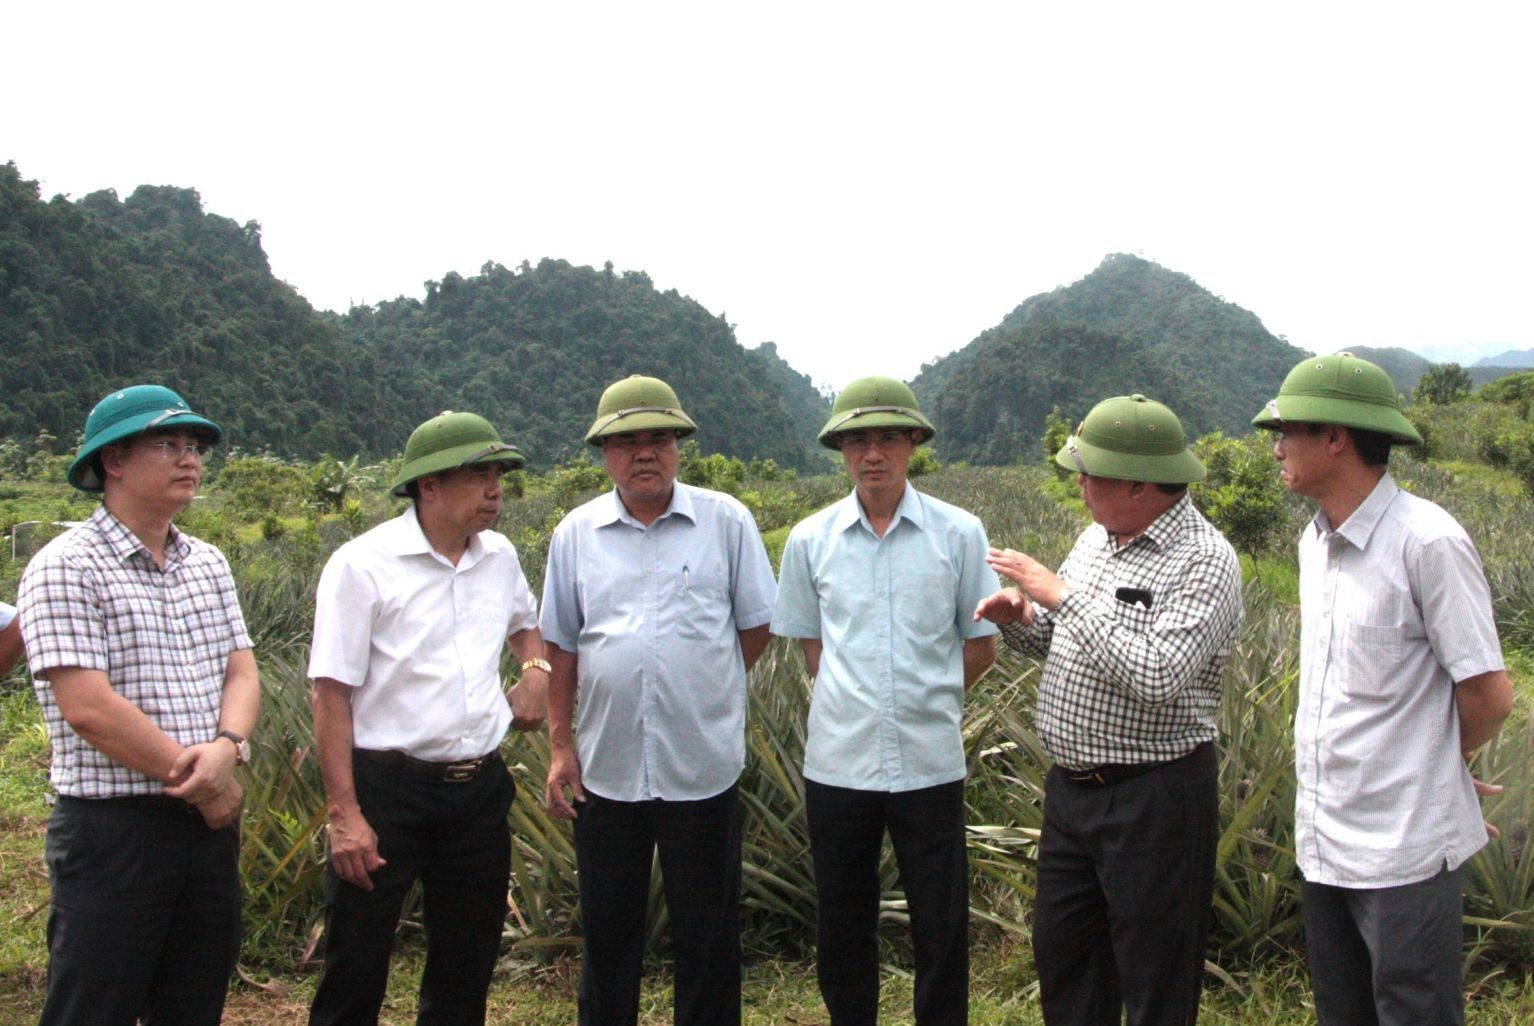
(1403, 365)
(102, 292)
(533, 349)
(1129, 326)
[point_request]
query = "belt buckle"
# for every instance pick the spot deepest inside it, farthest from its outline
(461, 772)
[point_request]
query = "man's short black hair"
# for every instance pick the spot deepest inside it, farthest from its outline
(1171, 489)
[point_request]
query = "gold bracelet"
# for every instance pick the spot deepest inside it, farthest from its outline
(540, 664)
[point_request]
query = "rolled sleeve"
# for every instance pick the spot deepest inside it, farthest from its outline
(754, 590)
(1456, 608)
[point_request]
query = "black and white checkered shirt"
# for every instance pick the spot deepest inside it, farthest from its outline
(1124, 683)
(93, 598)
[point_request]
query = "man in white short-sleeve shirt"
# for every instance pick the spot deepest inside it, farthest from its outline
(655, 604)
(410, 622)
(1401, 680)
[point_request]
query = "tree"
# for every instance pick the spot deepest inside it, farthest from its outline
(1442, 383)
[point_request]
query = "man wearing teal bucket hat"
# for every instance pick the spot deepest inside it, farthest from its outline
(1135, 631)
(1401, 680)
(877, 588)
(143, 668)
(410, 623)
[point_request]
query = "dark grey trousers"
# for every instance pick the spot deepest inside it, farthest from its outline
(1387, 956)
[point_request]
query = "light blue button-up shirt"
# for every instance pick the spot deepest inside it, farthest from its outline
(892, 615)
(652, 615)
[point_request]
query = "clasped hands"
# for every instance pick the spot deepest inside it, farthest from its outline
(203, 776)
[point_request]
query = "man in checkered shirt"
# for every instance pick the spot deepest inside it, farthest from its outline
(143, 667)
(1135, 630)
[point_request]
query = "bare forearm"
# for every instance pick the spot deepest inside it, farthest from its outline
(753, 641)
(333, 740)
(811, 649)
(10, 646)
(562, 687)
(1483, 702)
(979, 654)
(241, 705)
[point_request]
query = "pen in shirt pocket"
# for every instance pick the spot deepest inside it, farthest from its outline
(686, 578)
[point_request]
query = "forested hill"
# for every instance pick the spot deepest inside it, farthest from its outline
(1129, 326)
(533, 348)
(101, 292)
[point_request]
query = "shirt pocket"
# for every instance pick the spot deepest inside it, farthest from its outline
(1370, 657)
(924, 601)
(702, 604)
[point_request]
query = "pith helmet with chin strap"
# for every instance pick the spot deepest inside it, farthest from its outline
(128, 412)
(450, 440)
(1131, 438)
(639, 403)
(874, 402)
(1339, 389)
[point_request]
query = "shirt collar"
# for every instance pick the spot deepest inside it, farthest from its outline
(408, 539)
(125, 544)
(681, 505)
(1358, 528)
(910, 508)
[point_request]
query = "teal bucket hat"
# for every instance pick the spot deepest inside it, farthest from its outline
(451, 440)
(126, 413)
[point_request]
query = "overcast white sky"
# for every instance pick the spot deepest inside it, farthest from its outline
(870, 185)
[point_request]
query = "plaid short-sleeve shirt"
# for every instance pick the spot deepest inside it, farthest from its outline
(93, 598)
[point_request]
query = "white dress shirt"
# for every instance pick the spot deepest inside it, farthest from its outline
(1394, 610)
(653, 615)
(421, 639)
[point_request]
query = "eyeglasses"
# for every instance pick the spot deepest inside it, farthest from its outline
(175, 451)
(860, 440)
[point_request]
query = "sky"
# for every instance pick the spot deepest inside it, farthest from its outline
(869, 185)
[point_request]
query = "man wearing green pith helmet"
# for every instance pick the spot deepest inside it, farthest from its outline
(410, 622)
(1135, 630)
(1401, 680)
(878, 589)
(655, 605)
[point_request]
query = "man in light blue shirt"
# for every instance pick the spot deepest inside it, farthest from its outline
(878, 588)
(655, 604)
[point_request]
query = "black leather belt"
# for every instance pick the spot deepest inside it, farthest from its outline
(460, 772)
(1110, 773)
(162, 803)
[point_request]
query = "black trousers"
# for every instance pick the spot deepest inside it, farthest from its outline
(926, 828)
(1386, 956)
(454, 839)
(1125, 884)
(145, 922)
(699, 847)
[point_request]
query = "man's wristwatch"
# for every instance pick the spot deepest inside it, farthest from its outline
(241, 746)
(540, 664)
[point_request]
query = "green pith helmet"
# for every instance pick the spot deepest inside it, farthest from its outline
(875, 402)
(132, 411)
(638, 403)
(1131, 438)
(1339, 389)
(450, 440)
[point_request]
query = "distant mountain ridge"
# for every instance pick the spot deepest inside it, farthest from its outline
(1519, 358)
(102, 292)
(1129, 326)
